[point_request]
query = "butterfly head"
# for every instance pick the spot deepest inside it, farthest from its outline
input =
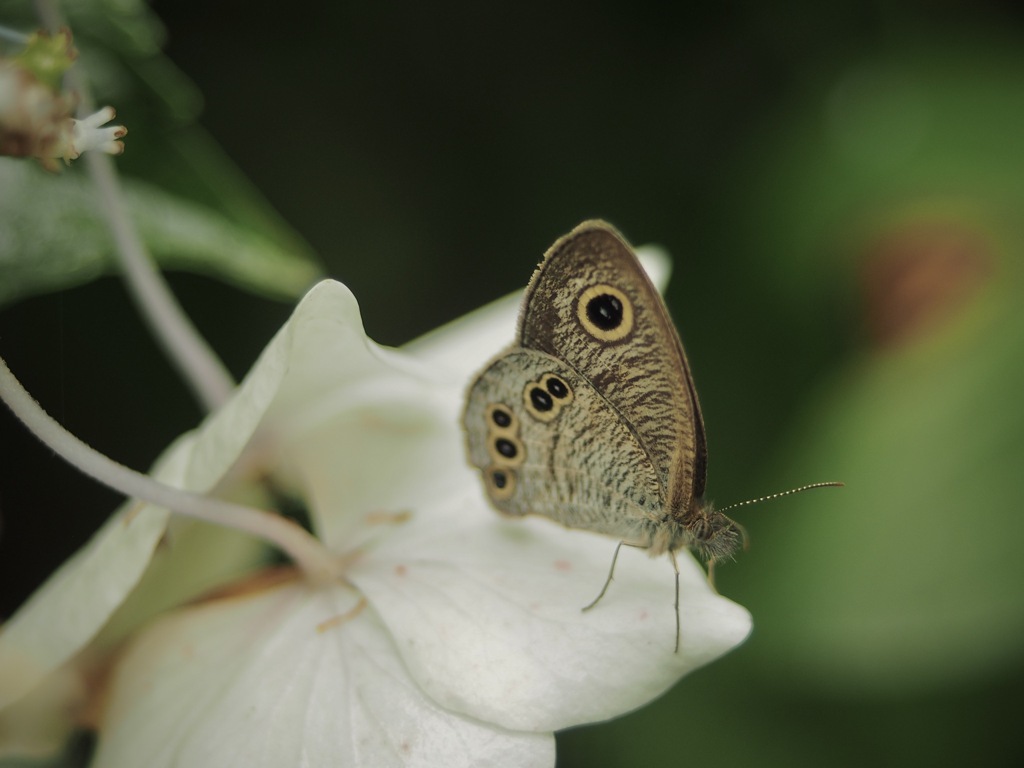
(708, 533)
(716, 536)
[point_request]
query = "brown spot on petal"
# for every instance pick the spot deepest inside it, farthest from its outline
(383, 517)
(563, 565)
(342, 618)
(96, 672)
(919, 276)
(257, 581)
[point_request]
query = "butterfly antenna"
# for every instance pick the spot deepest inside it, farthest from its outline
(779, 495)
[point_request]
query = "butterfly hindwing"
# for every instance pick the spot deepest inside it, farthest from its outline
(547, 443)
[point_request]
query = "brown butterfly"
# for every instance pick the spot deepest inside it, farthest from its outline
(591, 418)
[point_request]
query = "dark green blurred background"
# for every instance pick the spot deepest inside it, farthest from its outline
(841, 186)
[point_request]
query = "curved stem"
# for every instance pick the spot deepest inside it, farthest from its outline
(12, 35)
(195, 360)
(187, 349)
(308, 553)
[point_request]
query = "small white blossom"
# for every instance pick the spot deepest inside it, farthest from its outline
(92, 133)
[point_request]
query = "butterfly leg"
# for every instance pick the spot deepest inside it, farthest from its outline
(611, 572)
(675, 567)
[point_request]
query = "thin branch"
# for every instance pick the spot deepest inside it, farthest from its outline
(192, 356)
(12, 35)
(308, 553)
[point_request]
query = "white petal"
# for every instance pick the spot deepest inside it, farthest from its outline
(358, 424)
(464, 346)
(658, 264)
(365, 469)
(487, 615)
(71, 607)
(283, 678)
(327, 349)
(38, 725)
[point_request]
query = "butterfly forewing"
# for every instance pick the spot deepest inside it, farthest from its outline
(591, 305)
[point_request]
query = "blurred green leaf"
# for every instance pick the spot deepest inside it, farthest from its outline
(194, 209)
(127, 25)
(909, 578)
(922, 124)
(911, 574)
(55, 236)
(47, 57)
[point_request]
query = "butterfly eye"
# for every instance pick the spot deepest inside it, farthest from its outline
(605, 312)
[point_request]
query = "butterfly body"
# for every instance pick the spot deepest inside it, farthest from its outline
(591, 418)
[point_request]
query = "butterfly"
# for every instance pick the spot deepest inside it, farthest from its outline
(591, 417)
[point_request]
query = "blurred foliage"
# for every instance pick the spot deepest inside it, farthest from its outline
(841, 187)
(904, 178)
(193, 209)
(55, 237)
(47, 57)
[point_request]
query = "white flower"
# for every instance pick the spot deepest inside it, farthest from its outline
(92, 133)
(454, 637)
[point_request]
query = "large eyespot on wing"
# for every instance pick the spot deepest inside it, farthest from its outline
(591, 305)
(605, 313)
